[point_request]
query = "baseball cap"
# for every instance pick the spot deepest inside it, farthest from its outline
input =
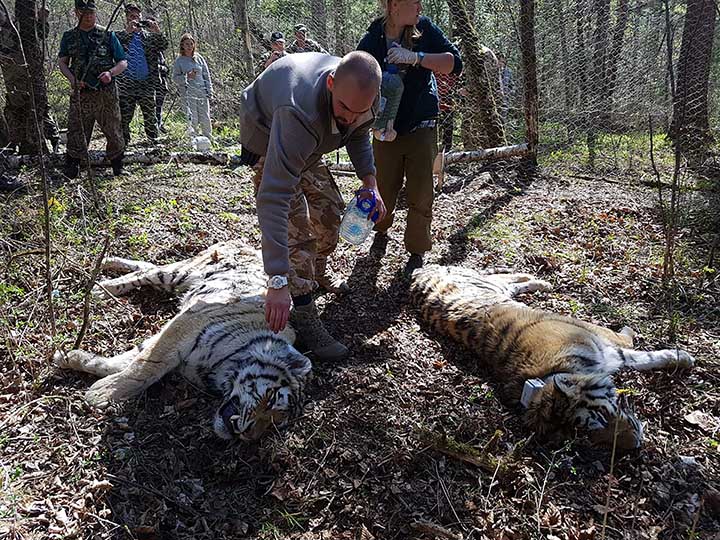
(300, 28)
(277, 36)
(85, 5)
(132, 7)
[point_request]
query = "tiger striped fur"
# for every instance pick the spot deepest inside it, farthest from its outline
(218, 340)
(575, 359)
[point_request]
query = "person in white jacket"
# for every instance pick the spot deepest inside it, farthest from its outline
(192, 77)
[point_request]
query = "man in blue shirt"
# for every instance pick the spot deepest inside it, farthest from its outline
(140, 80)
(90, 58)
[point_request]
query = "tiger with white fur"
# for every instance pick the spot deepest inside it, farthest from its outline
(219, 340)
(567, 363)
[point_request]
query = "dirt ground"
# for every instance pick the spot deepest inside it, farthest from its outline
(384, 447)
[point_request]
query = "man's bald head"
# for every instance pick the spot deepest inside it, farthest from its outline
(354, 86)
(362, 68)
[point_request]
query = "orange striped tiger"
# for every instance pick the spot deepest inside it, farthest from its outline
(219, 340)
(573, 360)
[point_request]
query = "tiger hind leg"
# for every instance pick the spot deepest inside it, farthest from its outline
(166, 278)
(652, 360)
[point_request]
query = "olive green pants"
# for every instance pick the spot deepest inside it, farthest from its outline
(409, 156)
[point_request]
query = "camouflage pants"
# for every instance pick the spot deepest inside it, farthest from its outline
(313, 224)
(132, 94)
(86, 108)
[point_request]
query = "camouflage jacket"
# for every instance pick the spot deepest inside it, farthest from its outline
(88, 60)
(310, 46)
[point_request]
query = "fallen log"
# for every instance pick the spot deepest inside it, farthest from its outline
(157, 156)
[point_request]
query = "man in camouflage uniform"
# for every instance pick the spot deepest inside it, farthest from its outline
(90, 58)
(303, 43)
(140, 80)
(22, 131)
(276, 52)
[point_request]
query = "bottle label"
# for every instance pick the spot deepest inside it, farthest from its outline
(381, 105)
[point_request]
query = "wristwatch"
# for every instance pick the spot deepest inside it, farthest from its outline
(277, 282)
(420, 58)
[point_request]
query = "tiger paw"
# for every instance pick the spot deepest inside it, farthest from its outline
(681, 359)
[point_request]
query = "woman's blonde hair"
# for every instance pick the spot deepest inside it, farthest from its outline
(185, 37)
(409, 37)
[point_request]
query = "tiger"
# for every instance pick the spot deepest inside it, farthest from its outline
(567, 362)
(218, 340)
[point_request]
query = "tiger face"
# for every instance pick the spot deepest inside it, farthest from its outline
(266, 393)
(584, 404)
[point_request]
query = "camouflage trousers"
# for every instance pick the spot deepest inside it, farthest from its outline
(86, 108)
(313, 224)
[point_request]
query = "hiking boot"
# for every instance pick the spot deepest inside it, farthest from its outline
(117, 166)
(414, 262)
(379, 244)
(72, 167)
(326, 281)
(312, 334)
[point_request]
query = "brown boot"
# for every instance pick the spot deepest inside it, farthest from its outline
(311, 332)
(326, 281)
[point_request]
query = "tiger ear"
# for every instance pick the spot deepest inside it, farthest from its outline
(563, 384)
(299, 364)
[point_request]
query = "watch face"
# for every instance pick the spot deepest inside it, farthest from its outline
(277, 282)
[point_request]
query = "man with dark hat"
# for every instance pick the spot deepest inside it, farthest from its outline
(277, 51)
(303, 43)
(143, 44)
(22, 133)
(90, 58)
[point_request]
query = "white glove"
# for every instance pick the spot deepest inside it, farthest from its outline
(401, 55)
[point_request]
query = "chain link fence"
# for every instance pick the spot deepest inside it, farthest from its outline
(606, 69)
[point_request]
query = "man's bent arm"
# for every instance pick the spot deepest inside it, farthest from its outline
(289, 147)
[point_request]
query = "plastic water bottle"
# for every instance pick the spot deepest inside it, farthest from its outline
(355, 226)
(390, 95)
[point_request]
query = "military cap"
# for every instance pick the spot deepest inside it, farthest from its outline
(85, 5)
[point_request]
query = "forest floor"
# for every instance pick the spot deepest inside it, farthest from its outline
(384, 447)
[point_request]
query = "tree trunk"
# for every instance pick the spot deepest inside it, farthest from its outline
(341, 20)
(482, 122)
(242, 26)
(319, 19)
(618, 39)
(690, 124)
(4, 134)
(529, 65)
(27, 93)
(569, 98)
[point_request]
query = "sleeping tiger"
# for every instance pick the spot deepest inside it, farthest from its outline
(564, 366)
(219, 340)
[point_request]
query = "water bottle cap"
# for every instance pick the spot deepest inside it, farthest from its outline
(365, 205)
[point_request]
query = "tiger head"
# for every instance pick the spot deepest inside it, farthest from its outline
(584, 403)
(265, 391)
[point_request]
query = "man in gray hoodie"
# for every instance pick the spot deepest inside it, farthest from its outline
(300, 108)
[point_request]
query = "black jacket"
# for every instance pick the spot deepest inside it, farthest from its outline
(419, 100)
